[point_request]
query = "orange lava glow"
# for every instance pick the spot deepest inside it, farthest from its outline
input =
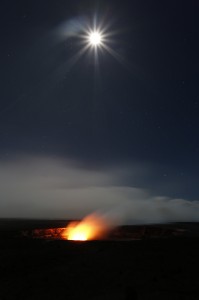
(90, 228)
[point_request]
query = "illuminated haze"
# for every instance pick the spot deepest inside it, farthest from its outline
(44, 187)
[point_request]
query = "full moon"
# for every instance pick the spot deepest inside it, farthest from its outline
(95, 38)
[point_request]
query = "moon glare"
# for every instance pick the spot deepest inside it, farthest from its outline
(95, 38)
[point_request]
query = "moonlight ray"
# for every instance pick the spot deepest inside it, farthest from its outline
(96, 39)
(117, 56)
(75, 58)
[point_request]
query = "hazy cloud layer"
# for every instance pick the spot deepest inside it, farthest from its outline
(35, 187)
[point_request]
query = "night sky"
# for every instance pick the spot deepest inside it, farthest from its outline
(125, 121)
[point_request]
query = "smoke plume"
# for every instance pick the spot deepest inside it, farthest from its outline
(40, 187)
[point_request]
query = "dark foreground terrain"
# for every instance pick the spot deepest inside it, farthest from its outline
(162, 262)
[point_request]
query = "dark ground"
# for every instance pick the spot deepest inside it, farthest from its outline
(154, 267)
